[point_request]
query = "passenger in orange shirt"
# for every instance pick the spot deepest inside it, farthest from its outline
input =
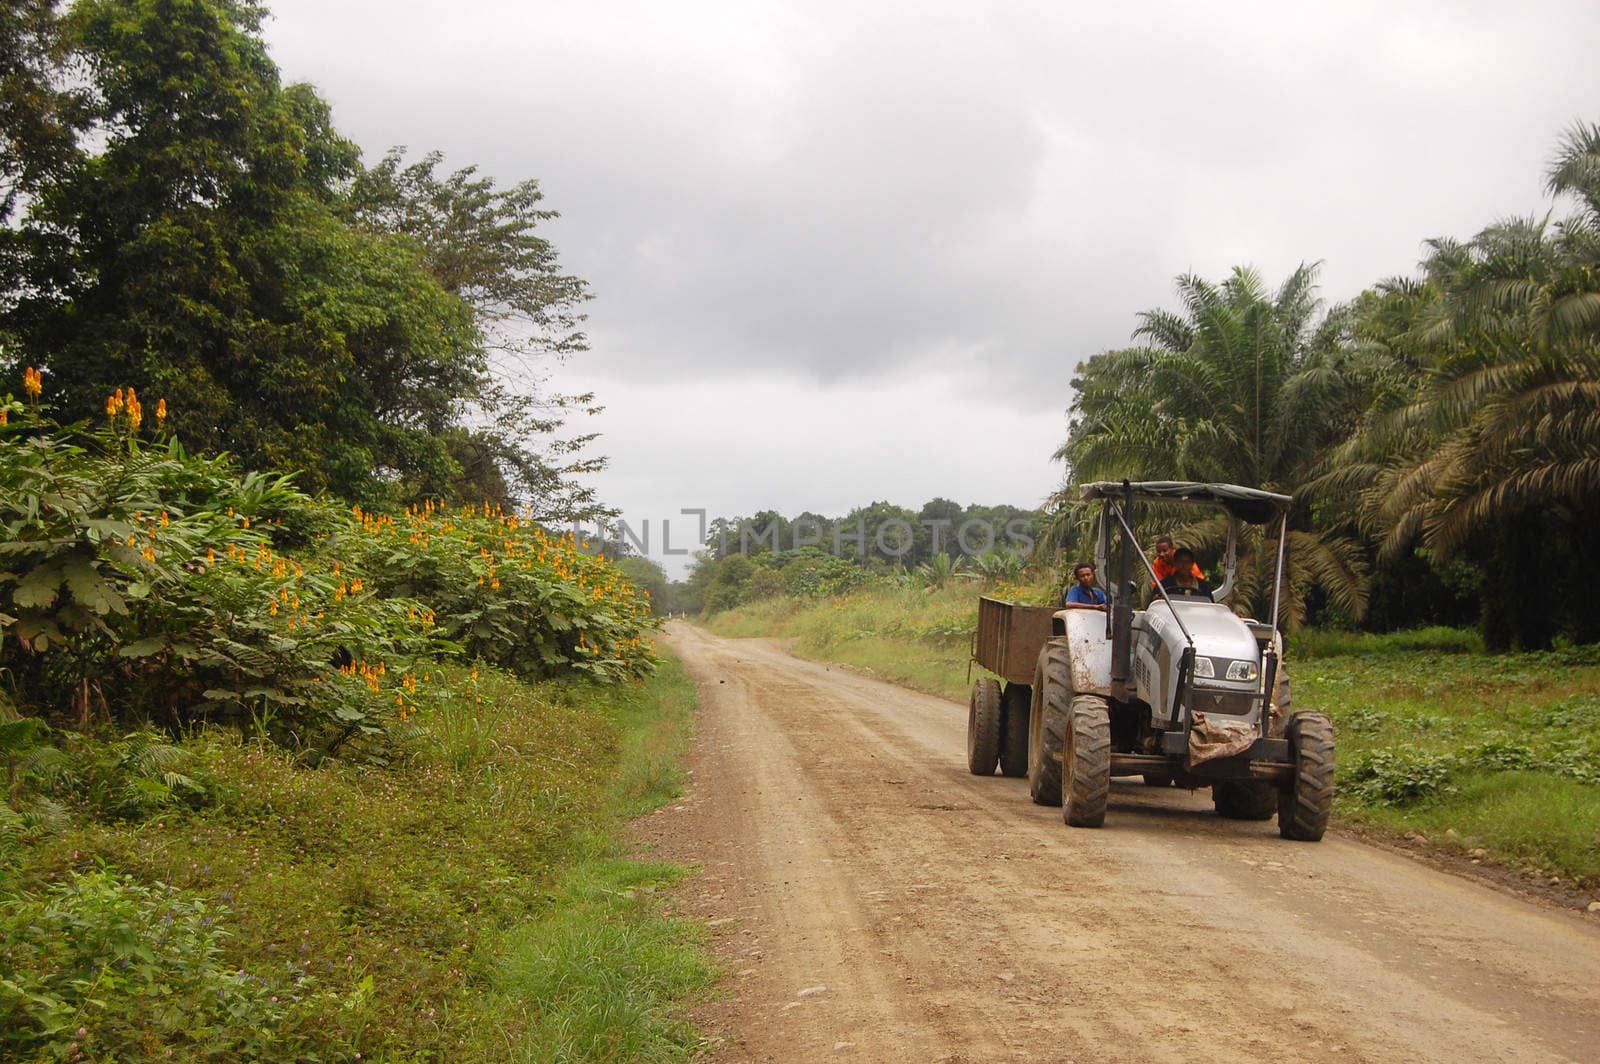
(1163, 566)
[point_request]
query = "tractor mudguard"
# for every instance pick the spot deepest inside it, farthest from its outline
(1085, 634)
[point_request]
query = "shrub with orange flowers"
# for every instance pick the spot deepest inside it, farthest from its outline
(143, 583)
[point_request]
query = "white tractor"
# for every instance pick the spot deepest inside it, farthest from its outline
(1179, 690)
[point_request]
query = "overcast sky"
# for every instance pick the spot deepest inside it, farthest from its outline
(847, 252)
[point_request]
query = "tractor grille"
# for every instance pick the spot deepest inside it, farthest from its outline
(1225, 702)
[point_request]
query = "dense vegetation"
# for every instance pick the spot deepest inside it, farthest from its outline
(180, 221)
(316, 738)
(751, 558)
(180, 642)
(1441, 433)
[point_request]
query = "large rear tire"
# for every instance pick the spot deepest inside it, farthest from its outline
(1086, 763)
(1304, 805)
(1244, 799)
(1047, 722)
(1014, 712)
(983, 727)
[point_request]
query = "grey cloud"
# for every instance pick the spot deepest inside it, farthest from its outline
(836, 190)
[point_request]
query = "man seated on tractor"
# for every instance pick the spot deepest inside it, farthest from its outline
(1164, 564)
(1083, 595)
(1185, 577)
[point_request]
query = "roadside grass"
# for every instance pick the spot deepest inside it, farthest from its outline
(917, 638)
(1499, 752)
(470, 899)
(1476, 751)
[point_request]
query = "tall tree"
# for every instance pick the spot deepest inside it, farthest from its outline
(1241, 385)
(482, 244)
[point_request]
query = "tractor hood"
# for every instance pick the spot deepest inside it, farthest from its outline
(1218, 633)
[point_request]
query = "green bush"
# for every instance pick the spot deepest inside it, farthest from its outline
(145, 585)
(101, 966)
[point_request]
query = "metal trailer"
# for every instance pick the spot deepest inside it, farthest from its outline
(1007, 643)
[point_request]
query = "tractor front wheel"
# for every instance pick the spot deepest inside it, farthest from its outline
(1304, 804)
(1086, 763)
(983, 727)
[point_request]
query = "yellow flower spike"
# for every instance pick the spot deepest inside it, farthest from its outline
(211, 556)
(274, 610)
(5, 417)
(161, 410)
(164, 521)
(149, 554)
(246, 523)
(111, 407)
(117, 398)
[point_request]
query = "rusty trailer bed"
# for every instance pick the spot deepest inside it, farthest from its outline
(1009, 637)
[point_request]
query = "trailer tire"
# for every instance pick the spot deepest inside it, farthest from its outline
(1244, 799)
(1014, 712)
(1304, 805)
(1047, 721)
(1086, 763)
(983, 727)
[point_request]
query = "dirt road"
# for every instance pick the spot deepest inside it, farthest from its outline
(873, 901)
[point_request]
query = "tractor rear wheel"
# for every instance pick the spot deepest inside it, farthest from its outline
(1047, 721)
(983, 727)
(1303, 805)
(1014, 711)
(1086, 763)
(1244, 799)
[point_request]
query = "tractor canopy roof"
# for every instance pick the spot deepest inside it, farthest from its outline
(1247, 504)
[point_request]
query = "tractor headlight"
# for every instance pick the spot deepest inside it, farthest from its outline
(1242, 670)
(1203, 668)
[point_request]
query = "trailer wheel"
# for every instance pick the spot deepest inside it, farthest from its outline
(1303, 805)
(1047, 722)
(1086, 763)
(1014, 713)
(983, 727)
(1244, 799)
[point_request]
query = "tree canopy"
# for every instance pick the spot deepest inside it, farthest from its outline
(190, 226)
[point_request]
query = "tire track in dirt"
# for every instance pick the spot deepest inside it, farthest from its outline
(948, 918)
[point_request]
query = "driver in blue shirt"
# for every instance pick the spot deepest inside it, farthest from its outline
(1083, 595)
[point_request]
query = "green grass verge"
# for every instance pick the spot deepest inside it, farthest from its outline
(469, 900)
(1474, 750)
(919, 639)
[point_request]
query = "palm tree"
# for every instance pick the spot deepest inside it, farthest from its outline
(1509, 415)
(1500, 435)
(1241, 385)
